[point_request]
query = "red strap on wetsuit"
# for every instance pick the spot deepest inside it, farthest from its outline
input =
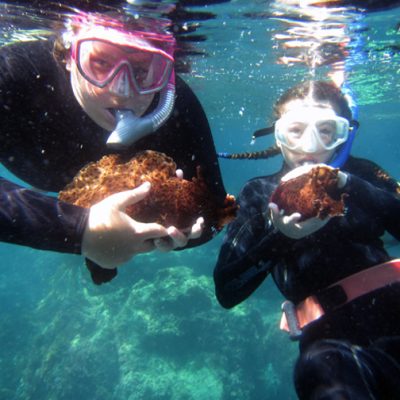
(295, 317)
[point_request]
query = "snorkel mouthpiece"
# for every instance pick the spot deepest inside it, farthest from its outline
(131, 128)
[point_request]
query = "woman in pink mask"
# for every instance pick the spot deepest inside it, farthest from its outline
(107, 85)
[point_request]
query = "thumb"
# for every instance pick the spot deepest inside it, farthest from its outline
(291, 219)
(123, 199)
(274, 209)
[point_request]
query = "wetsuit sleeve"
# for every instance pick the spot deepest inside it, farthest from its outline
(32, 219)
(379, 202)
(251, 247)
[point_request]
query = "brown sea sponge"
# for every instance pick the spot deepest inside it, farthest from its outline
(314, 194)
(172, 201)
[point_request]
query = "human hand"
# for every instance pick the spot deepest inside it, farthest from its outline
(304, 169)
(111, 237)
(179, 238)
(290, 226)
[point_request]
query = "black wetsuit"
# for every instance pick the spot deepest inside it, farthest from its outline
(46, 138)
(354, 349)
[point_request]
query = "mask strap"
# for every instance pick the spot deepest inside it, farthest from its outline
(256, 155)
(263, 132)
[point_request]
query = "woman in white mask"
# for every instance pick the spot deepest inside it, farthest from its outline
(340, 284)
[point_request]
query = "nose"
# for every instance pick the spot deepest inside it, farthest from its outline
(120, 85)
(309, 143)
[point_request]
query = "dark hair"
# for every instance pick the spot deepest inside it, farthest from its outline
(322, 91)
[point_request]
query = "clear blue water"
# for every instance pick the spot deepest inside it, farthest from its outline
(157, 332)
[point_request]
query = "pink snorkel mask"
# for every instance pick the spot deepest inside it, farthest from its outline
(126, 63)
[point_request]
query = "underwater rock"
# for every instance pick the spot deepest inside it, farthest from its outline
(172, 201)
(159, 334)
(314, 194)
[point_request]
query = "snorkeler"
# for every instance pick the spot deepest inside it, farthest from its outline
(341, 286)
(105, 85)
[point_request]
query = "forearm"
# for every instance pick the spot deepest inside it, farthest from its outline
(236, 278)
(231, 290)
(32, 219)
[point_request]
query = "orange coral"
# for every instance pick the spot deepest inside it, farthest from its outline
(314, 194)
(172, 201)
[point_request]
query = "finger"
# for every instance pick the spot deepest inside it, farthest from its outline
(197, 229)
(303, 169)
(179, 173)
(150, 230)
(146, 246)
(123, 199)
(294, 173)
(342, 179)
(164, 244)
(276, 213)
(179, 239)
(291, 219)
(274, 209)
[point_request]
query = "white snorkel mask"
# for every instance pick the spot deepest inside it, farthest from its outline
(311, 129)
(127, 63)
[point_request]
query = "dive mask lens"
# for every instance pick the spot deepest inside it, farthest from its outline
(100, 61)
(297, 130)
(332, 132)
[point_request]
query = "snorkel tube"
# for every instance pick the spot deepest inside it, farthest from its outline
(343, 154)
(130, 128)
